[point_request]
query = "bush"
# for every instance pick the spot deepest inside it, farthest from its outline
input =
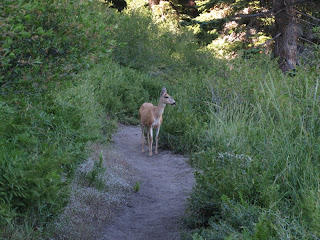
(47, 114)
(264, 148)
(39, 36)
(156, 47)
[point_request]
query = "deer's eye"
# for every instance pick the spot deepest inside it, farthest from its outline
(166, 97)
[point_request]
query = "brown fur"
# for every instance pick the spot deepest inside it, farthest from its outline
(151, 117)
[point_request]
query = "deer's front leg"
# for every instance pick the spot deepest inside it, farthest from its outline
(157, 138)
(150, 141)
(142, 138)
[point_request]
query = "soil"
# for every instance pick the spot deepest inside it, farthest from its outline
(118, 212)
(165, 180)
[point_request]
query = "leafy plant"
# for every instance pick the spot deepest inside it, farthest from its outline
(136, 187)
(95, 176)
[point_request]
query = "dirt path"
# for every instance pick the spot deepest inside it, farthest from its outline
(155, 210)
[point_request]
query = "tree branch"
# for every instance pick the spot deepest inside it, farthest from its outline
(269, 40)
(252, 15)
(307, 15)
(257, 14)
(307, 22)
(272, 11)
(306, 40)
(298, 2)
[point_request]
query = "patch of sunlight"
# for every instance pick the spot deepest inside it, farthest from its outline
(261, 40)
(219, 11)
(177, 56)
(135, 3)
(221, 48)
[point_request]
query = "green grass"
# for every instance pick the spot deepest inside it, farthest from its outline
(252, 131)
(47, 114)
(70, 72)
(264, 154)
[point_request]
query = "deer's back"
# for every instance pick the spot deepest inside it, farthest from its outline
(146, 113)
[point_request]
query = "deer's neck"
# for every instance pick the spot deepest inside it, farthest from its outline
(159, 109)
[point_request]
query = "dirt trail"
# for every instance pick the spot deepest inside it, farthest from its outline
(155, 211)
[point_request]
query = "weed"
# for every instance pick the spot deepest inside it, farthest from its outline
(95, 176)
(136, 187)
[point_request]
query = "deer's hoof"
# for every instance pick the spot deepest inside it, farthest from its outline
(143, 150)
(150, 154)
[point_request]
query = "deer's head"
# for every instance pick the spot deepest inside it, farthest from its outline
(166, 98)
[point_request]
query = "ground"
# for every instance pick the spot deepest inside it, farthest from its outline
(118, 212)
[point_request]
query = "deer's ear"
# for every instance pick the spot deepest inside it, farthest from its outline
(163, 91)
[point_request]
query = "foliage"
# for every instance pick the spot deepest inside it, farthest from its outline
(38, 35)
(264, 136)
(158, 48)
(45, 119)
(250, 25)
(94, 176)
(136, 187)
(252, 132)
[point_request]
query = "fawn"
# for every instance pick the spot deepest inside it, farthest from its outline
(151, 117)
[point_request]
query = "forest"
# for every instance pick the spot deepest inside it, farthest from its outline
(245, 75)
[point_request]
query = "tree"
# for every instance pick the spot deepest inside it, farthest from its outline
(287, 30)
(291, 23)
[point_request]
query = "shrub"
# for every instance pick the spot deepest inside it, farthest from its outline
(38, 36)
(47, 115)
(264, 149)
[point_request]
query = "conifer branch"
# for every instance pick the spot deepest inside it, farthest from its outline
(309, 16)
(260, 45)
(257, 14)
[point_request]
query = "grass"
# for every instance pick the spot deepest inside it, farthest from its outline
(252, 131)
(47, 116)
(264, 154)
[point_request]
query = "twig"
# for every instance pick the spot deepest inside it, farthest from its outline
(257, 14)
(278, 12)
(307, 15)
(252, 15)
(307, 22)
(306, 40)
(269, 40)
(298, 2)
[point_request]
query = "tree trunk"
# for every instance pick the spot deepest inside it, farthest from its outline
(286, 43)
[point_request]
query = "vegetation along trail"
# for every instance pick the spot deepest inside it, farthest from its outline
(246, 79)
(155, 211)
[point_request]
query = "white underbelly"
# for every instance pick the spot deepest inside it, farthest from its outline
(156, 122)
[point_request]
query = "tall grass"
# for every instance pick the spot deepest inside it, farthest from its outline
(252, 131)
(46, 115)
(264, 155)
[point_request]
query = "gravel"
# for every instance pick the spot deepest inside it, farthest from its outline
(115, 211)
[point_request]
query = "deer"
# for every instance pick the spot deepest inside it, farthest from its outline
(151, 117)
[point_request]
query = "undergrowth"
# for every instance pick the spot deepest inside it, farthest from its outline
(252, 131)
(70, 71)
(47, 116)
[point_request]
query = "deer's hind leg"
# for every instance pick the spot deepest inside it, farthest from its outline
(150, 140)
(142, 138)
(157, 138)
